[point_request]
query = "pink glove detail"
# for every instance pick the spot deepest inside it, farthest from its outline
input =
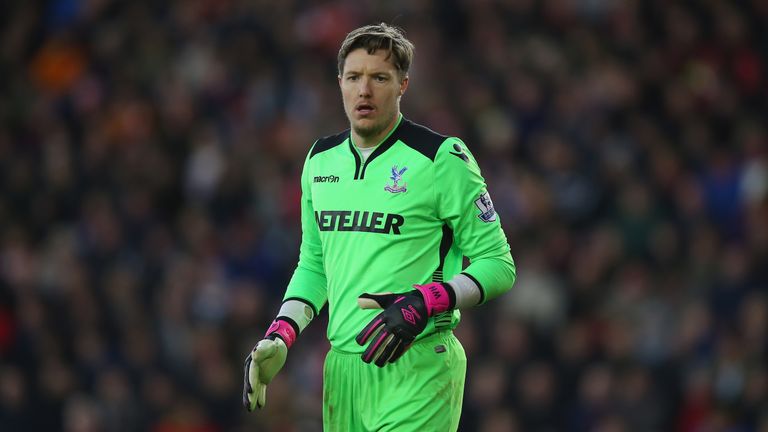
(436, 297)
(284, 330)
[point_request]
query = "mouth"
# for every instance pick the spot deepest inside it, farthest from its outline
(364, 109)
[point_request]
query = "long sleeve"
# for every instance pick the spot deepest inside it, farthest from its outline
(465, 205)
(309, 282)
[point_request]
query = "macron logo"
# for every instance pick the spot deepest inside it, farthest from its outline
(326, 179)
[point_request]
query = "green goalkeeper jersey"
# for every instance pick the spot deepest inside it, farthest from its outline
(406, 215)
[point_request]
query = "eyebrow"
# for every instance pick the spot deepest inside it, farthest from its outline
(379, 72)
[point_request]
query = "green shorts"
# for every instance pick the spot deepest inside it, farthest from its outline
(422, 391)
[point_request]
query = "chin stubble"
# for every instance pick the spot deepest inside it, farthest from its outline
(367, 132)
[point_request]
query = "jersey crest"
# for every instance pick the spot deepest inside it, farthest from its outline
(397, 177)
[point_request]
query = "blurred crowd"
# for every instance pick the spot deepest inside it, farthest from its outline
(150, 154)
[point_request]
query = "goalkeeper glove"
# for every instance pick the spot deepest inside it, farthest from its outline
(405, 316)
(265, 361)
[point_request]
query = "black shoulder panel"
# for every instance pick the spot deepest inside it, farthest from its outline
(421, 138)
(329, 142)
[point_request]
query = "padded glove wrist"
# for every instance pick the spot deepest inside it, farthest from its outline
(284, 329)
(438, 297)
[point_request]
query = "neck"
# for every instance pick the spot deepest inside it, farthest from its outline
(374, 140)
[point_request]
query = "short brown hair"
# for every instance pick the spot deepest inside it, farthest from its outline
(379, 36)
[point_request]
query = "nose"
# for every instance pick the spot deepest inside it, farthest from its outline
(364, 87)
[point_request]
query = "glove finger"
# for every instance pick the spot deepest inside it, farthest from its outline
(396, 350)
(370, 329)
(254, 385)
(260, 395)
(399, 351)
(376, 301)
(375, 346)
(385, 352)
(247, 389)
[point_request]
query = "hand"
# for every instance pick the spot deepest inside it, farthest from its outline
(261, 365)
(404, 317)
(265, 361)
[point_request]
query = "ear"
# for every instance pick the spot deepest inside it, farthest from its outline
(339, 78)
(403, 85)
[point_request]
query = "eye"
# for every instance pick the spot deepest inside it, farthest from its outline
(352, 78)
(381, 78)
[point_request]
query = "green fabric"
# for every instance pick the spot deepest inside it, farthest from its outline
(364, 232)
(422, 391)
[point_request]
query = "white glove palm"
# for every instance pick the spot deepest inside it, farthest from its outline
(261, 365)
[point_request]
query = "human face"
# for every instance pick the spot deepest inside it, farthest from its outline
(371, 89)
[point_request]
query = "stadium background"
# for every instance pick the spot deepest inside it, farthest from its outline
(149, 183)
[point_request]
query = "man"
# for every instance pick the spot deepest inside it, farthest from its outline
(387, 205)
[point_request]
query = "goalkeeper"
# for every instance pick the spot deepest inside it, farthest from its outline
(389, 210)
